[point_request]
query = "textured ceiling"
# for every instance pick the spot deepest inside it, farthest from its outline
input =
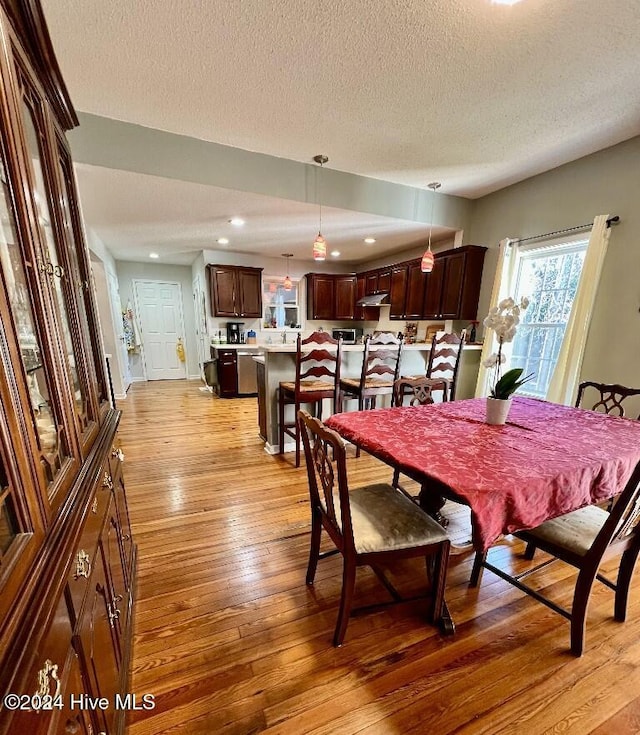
(472, 94)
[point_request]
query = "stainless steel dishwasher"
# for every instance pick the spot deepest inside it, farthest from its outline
(247, 373)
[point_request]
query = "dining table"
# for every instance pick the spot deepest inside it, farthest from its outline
(546, 460)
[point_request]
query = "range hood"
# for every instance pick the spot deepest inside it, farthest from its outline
(377, 299)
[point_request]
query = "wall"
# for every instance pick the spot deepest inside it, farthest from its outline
(127, 272)
(606, 182)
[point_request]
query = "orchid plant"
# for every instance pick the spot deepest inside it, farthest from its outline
(504, 319)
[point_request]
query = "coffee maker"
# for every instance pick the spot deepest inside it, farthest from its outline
(235, 334)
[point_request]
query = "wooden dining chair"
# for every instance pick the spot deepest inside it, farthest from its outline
(370, 525)
(583, 539)
(604, 397)
(317, 377)
(443, 364)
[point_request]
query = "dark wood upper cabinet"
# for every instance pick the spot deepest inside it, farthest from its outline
(433, 293)
(371, 283)
(321, 296)
(415, 291)
(384, 280)
(453, 287)
(250, 292)
(236, 291)
(398, 291)
(345, 297)
(332, 296)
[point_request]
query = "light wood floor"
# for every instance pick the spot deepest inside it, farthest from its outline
(230, 640)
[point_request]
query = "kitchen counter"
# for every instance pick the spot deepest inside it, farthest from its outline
(279, 365)
(415, 347)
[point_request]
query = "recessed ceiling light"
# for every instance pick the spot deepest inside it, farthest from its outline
(335, 253)
(236, 221)
(223, 241)
(369, 240)
(504, 2)
(154, 255)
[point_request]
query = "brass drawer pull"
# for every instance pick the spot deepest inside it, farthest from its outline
(47, 674)
(94, 506)
(118, 454)
(107, 481)
(83, 565)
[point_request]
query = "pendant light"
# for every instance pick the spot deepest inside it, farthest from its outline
(319, 244)
(288, 285)
(426, 265)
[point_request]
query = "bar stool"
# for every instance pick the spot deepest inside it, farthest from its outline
(380, 369)
(444, 361)
(317, 378)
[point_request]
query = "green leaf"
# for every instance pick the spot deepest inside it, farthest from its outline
(509, 383)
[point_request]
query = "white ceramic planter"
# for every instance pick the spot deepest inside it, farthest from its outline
(498, 410)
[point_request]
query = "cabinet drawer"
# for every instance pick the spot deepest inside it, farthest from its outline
(46, 677)
(84, 555)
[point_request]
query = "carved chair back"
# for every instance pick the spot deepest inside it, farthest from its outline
(444, 359)
(608, 397)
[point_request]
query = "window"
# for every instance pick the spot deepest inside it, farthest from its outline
(548, 275)
(281, 308)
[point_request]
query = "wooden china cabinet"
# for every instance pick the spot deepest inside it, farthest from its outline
(67, 558)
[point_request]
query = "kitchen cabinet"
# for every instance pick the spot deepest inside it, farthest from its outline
(378, 281)
(227, 365)
(407, 291)
(453, 287)
(235, 291)
(331, 296)
(321, 296)
(59, 521)
(345, 305)
(398, 291)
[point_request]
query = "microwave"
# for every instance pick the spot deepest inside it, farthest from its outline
(350, 336)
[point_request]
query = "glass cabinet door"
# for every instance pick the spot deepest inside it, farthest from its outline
(81, 274)
(55, 268)
(53, 442)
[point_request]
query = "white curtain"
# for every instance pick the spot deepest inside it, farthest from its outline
(564, 381)
(502, 287)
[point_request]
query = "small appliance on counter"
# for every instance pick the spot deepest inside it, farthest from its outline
(350, 336)
(235, 334)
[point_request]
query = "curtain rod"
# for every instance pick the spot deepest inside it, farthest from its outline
(611, 221)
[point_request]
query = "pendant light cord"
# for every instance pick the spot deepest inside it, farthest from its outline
(320, 197)
(433, 186)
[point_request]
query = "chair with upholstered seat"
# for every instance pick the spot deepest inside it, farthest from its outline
(604, 397)
(317, 378)
(443, 364)
(583, 538)
(370, 525)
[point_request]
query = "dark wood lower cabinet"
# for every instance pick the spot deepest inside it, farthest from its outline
(76, 660)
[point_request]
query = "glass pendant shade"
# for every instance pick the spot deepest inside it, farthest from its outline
(426, 265)
(287, 284)
(319, 248)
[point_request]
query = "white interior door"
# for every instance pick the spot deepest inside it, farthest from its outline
(160, 318)
(121, 356)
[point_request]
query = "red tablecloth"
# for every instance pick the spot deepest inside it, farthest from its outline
(547, 460)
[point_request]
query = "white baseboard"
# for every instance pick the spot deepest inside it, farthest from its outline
(275, 448)
(138, 380)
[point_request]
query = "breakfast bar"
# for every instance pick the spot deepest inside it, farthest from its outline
(279, 365)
